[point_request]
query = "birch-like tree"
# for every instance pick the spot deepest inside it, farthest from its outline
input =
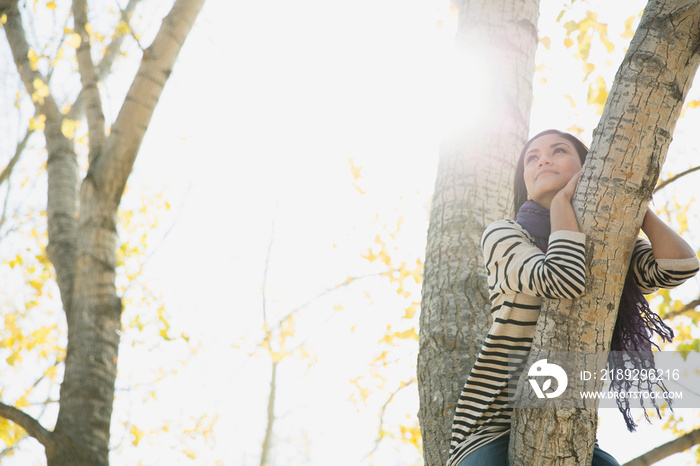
(628, 149)
(82, 210)
(471, 191)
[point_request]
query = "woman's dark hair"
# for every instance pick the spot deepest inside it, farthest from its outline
(519, 189)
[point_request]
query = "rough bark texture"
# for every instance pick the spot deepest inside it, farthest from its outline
(82, 228)
(472, 190)
(628, 148)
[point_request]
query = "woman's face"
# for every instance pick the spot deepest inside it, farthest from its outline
(549, 163)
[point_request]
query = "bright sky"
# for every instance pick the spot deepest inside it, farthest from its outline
(251, 142)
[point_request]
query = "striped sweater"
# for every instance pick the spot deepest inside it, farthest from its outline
(520, 275)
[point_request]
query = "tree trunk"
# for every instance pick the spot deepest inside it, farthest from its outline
(267, 443)
(627, 152)
(472, 190)
(82, 227)
(94, 319)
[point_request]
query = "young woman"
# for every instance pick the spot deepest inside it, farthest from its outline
(542, 255)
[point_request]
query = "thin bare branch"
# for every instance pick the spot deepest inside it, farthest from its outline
(105, 66)
(126, 18)
(327, 291)
(22, 436)
(688, 307)
(264, 283)
(7, 171)
(88, 79)
(29, 424)
(381, 416)
(662, 184)
(667, 449)
(267, 443)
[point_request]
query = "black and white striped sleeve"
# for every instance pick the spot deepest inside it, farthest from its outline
(650, 274)
(515, 265)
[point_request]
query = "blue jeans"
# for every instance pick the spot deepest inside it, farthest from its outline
(496, 454)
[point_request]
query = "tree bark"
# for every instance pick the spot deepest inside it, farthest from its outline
(472, 190)
(628, 149)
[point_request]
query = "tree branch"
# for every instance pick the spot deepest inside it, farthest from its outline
(7, 171)
(267, 443)
(667, 449)
(29, 424)
(62, 167)
(126, 17)
(110, 171)
(688, 307)
(664, 183)
(88, 79)
(383, 412)
(105, 66)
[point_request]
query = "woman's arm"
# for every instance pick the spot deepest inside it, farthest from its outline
(515, 265)
(665, 243)
(665, 261)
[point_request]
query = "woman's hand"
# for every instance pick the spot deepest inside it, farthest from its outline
(562, 215)
(568, 190)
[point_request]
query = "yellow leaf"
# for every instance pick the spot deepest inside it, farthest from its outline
(16, 261)
(693, 104)
(68, 127)
(570, 27)
(74, 41)
(121, 29)
(137, 433)
(22, 401)
(568, 42)
(13, 358)
(608, 45)
(410, 434)
(571, 100)
(575, 129)
(546, 41)
(370, 256)
(51, 6)
(41, 90)
(598, 94)
(411, 310)
(628, 28)
(33, 59)
(3, 19)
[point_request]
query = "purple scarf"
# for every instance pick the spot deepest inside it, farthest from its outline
(636, 323)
